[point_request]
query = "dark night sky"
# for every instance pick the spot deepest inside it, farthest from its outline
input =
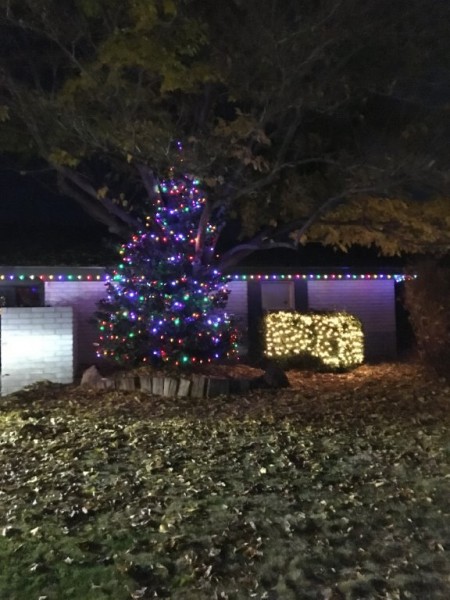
(37, 225)
(26, 200)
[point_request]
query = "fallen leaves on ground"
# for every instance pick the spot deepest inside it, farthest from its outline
(335, 488)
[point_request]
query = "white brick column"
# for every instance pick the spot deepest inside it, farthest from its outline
(36, 345)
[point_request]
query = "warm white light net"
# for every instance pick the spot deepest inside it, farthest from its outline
(334, 339)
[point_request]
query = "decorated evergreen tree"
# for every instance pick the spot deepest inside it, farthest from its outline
(165, 301)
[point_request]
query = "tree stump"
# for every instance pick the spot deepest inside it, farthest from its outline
(107, 384)
(184, 387)
(91, 378)
(198, 386)
(146, 383)
(170, 386)
(158, 386)
(127, 384)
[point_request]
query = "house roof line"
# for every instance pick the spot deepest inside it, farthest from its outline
(99, 273)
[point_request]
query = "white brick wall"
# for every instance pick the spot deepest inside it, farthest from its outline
(373, 302)
(83, 297)
(36, 345)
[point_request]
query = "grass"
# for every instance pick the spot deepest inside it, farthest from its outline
(338, 488)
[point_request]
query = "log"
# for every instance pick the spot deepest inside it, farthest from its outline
(217, 387)
(91, 378)
(198, 386)
(170, 386)
(158, 386)
(184, 387)
(146, 383)
(107, 383)
(127, 384)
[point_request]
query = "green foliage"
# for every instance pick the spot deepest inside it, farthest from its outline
(428, 301)
(114, 68)
(280, 106)
(314, 491)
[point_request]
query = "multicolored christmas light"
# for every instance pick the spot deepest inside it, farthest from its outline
(165, 303)
(70, 274)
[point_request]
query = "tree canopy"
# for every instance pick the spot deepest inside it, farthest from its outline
(326, 121)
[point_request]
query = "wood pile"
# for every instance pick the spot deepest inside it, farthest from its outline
(215, 382)
(196, 385)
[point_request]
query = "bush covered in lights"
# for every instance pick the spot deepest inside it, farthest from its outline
(165, 302)
(332, 341)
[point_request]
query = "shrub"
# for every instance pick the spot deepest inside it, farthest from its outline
(331, 341)
(427, 299)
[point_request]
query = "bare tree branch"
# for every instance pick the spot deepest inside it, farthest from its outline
(95, 211)
(150, 182)
(109, 207)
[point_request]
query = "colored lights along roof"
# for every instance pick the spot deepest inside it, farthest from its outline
(97, 273)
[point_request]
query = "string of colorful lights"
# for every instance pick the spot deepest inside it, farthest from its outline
(346, 276)
(324, 276)
(160, 308)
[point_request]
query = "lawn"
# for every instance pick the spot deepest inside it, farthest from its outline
(338, 488)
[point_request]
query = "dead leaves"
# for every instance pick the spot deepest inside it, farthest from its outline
(336, 488)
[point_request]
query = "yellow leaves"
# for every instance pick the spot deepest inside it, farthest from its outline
(147, 13)
(144, 14)
(63, 158)
(243, 127)
(244, 154)
(258, 163)
(176, 76)
(303, 239)
(79, 86)
(241, 136)
(212, 182)
(375, 209)
(392, 224)
(169, 7)
(152, 39)
(122, 200)
(102, 192)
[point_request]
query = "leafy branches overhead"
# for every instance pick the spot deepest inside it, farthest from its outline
(280, 106)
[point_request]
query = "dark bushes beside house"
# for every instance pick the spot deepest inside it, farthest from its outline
(427, 299)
